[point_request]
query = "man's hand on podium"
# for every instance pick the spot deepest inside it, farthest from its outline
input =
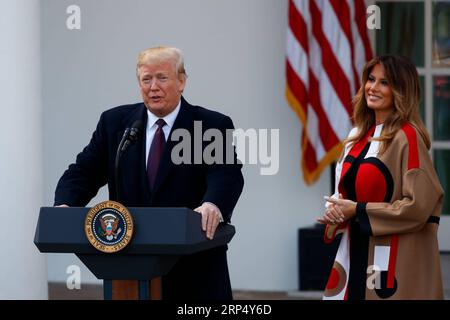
(63, 206)
(211, 217)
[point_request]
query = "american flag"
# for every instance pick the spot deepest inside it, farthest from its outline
(327, 47)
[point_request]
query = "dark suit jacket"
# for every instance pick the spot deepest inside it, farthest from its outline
(200, 276)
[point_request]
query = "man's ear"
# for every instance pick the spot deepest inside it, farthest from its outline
(182, 79)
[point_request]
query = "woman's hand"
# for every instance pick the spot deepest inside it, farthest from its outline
(338, 211)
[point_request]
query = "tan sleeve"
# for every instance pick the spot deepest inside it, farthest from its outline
(420, 200)
(422, 197)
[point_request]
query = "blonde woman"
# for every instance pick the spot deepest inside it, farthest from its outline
(388, 197)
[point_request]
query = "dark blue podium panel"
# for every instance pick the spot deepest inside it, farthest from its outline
(161, 236)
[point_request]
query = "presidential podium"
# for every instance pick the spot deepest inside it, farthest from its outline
(161, 236)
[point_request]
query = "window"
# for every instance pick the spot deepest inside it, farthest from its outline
(420, 30)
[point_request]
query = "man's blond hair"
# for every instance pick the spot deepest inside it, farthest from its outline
(162, 54)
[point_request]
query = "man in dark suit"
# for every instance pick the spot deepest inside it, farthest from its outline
(150, 178)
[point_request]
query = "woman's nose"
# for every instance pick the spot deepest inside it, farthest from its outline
(374, 86)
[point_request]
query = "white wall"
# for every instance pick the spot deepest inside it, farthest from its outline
(234, 52)
(22, 267)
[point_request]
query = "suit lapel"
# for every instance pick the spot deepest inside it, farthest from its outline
(185, 120)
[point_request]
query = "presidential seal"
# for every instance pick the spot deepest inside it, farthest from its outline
(108, 226)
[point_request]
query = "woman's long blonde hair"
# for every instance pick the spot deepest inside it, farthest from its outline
(403, 80)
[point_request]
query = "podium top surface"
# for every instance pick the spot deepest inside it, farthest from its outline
(163, 231)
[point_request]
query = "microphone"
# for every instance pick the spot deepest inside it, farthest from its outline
(130, 136)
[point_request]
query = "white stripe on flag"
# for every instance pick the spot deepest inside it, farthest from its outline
(303, 8)
(336, 113)
(313, 132)
(337, 39)
(297, 58)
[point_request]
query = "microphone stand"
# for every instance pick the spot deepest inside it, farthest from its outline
(117, 162)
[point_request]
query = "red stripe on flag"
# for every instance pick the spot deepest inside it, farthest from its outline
(297, 86)
(309, 154)
(327, 135)
(298, 26)
(342, 12)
